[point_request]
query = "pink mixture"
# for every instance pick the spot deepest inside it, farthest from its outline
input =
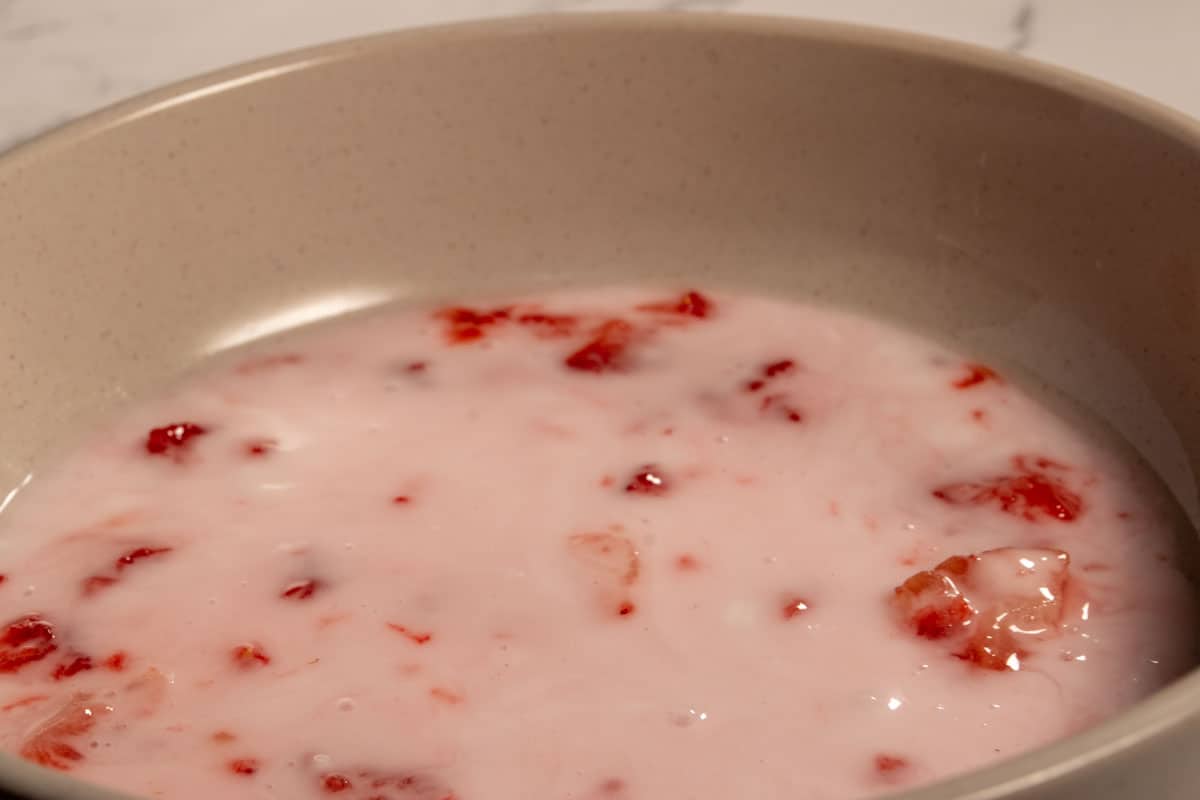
(602, 545)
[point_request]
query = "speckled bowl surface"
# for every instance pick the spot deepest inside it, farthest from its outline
(1036, 216)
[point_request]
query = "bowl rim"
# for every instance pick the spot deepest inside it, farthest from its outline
(1129, 730)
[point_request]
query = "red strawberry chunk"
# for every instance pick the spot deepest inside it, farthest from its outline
(25, 640)
(886, 764)
(175, 436)
(335, 783)
(250, 656)
(689, 304)
(49, 744)
(992, 606)
(244, 766)
(97, 583)
(606, 352)
(608, 556)
(300, 590)
(416, 637)
(794, 606)
(72, 666)
(22, 702)
(769, 372)
(649, 479)
(932, 601)
(369, 784)
(1032, 493)
(780, 367)
(549, 326)
(447, 696)
(465, 325)
(609, 563)
(259, 447)
(140, 553)
(977, 374)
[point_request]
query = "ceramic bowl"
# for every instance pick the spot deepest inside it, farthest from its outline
(1024, 212)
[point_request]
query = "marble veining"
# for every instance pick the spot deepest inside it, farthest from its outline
(64, 58)
(1023, 24)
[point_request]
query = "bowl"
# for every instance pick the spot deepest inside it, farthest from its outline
(1037, 216)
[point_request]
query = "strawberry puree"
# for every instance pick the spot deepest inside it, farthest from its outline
(634, 545)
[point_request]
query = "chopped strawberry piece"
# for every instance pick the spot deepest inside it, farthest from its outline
(97, 583)
(549, 326)
(776, 368)
(609, 563)
(144, 695)
(976, 374)
(996, 603)
(609, 556)
(445, 695)
(774, 401)
(249, 656)
(993, 647)
(933, 602)
(469, 316)
(177, 435)
(25, 640)
(414, 636)
(1032, 493)
(140, 553)
(689, 304)
(376, 785)
(687, 563)
(24, 701)
(334, 783)
(259, 447)
(769, 372)
(606, 352)
(794, 607)
(888, 765)
(71, 667)
(373, 785)
(300, 590)
(649, 479)
(48, 744)
(464, 325)
(244, 766)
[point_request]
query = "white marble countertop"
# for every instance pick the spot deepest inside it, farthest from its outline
(63, 58)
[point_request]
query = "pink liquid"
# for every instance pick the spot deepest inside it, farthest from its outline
(608, 544)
